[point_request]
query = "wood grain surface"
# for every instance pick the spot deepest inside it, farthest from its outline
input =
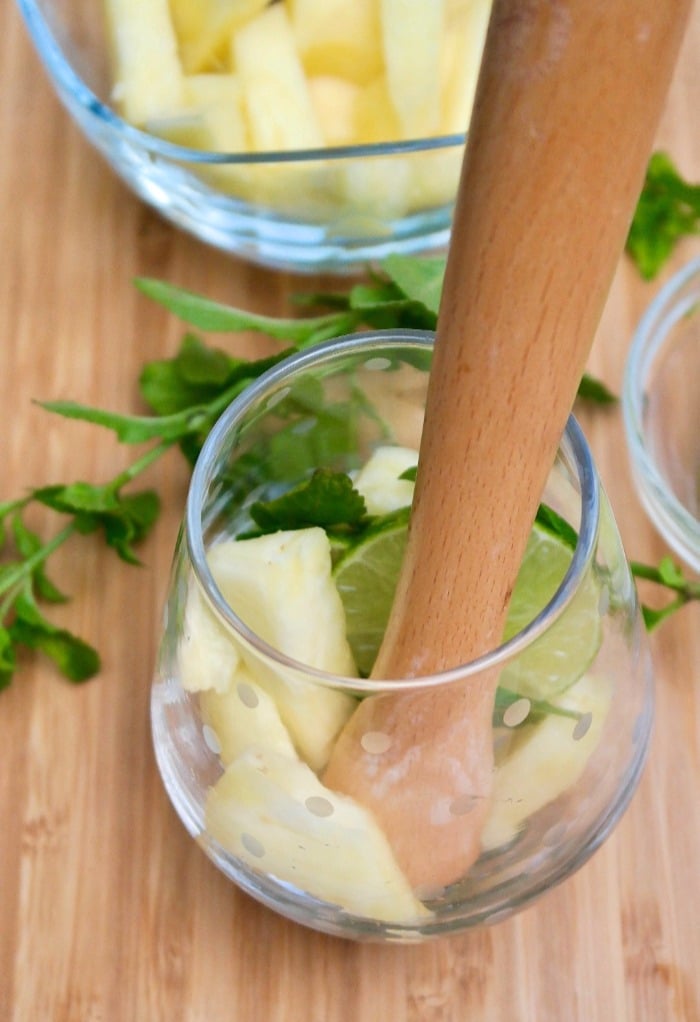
(108, 911)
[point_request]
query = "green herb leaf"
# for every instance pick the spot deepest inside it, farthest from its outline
(548, 518)
(418, 277)
(668, 210)
(538, 707)
(196, 376)
(209, 315)
(8, 657)
(328, 499)
(76, 660)
(592, 389)
(130, 429)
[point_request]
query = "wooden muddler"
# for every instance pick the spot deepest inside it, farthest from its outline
(569, 97)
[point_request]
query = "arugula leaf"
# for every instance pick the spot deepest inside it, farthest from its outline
(668, 210)
(327, 499)
(214, 316)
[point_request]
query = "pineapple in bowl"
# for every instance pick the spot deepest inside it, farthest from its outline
(303, 134)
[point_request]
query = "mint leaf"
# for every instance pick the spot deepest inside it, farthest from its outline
(328, 499)
(592, 389)
(418, 277)
(668, 210)
(196, 376)
(75, 658)
(8, 658)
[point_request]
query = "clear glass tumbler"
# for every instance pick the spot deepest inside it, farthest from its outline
(256, 677)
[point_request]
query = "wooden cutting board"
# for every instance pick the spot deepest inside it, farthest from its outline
(108, 911)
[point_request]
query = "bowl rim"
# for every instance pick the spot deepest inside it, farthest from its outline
(672, 303)
(372, 343)
(61, 70)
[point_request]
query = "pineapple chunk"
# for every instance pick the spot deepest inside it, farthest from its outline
(244, 716)
(218, 97)
(435, 177)
(276, 96)
(375, 190)
(460, 60)
(280, 585)
(378, 479)
(335, 101)
(545, 761)
(376, 119)
(412, 33)
(147, 71)
(207, 655)
(338, 37)
(204, 28)
(272, 812)
(211, 117)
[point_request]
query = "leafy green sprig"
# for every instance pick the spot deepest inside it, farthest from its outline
(185, 395)
(668, 210)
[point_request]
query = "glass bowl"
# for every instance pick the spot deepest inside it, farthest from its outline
(315, 209)
(661, 405)
(247, 703)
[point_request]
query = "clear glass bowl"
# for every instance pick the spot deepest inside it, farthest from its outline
(661, 405)
(330, 210)
(243, 731)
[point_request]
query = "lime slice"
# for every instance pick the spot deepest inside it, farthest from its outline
(558, 658)
(366, 579)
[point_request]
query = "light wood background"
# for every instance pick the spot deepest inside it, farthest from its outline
(108, 911)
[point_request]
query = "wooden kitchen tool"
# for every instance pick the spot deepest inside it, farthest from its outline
(567, 107)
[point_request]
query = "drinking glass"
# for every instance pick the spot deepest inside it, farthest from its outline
(243, 730)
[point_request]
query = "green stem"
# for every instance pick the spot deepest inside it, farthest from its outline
(684, 587)
(15, 579)
(140, 465)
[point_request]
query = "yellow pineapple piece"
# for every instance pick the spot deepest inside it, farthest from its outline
(244, 716)
(207, 654)
(463, 45)
(276, 96)
(335, 101)
(544, 760)
(272, 812)
(338, 37)
(412, 32)
(147, 72)
(376, 119)
(204, 28)
(379, 479)
(281, 586)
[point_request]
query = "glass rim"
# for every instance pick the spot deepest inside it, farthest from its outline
(652, 332)
(55, 60)
(372, 342)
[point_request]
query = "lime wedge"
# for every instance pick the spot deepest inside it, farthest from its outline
(556, 660)
(366, 577)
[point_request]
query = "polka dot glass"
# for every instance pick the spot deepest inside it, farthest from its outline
(234, 718)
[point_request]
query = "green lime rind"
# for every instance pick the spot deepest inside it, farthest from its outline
(366, 576)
